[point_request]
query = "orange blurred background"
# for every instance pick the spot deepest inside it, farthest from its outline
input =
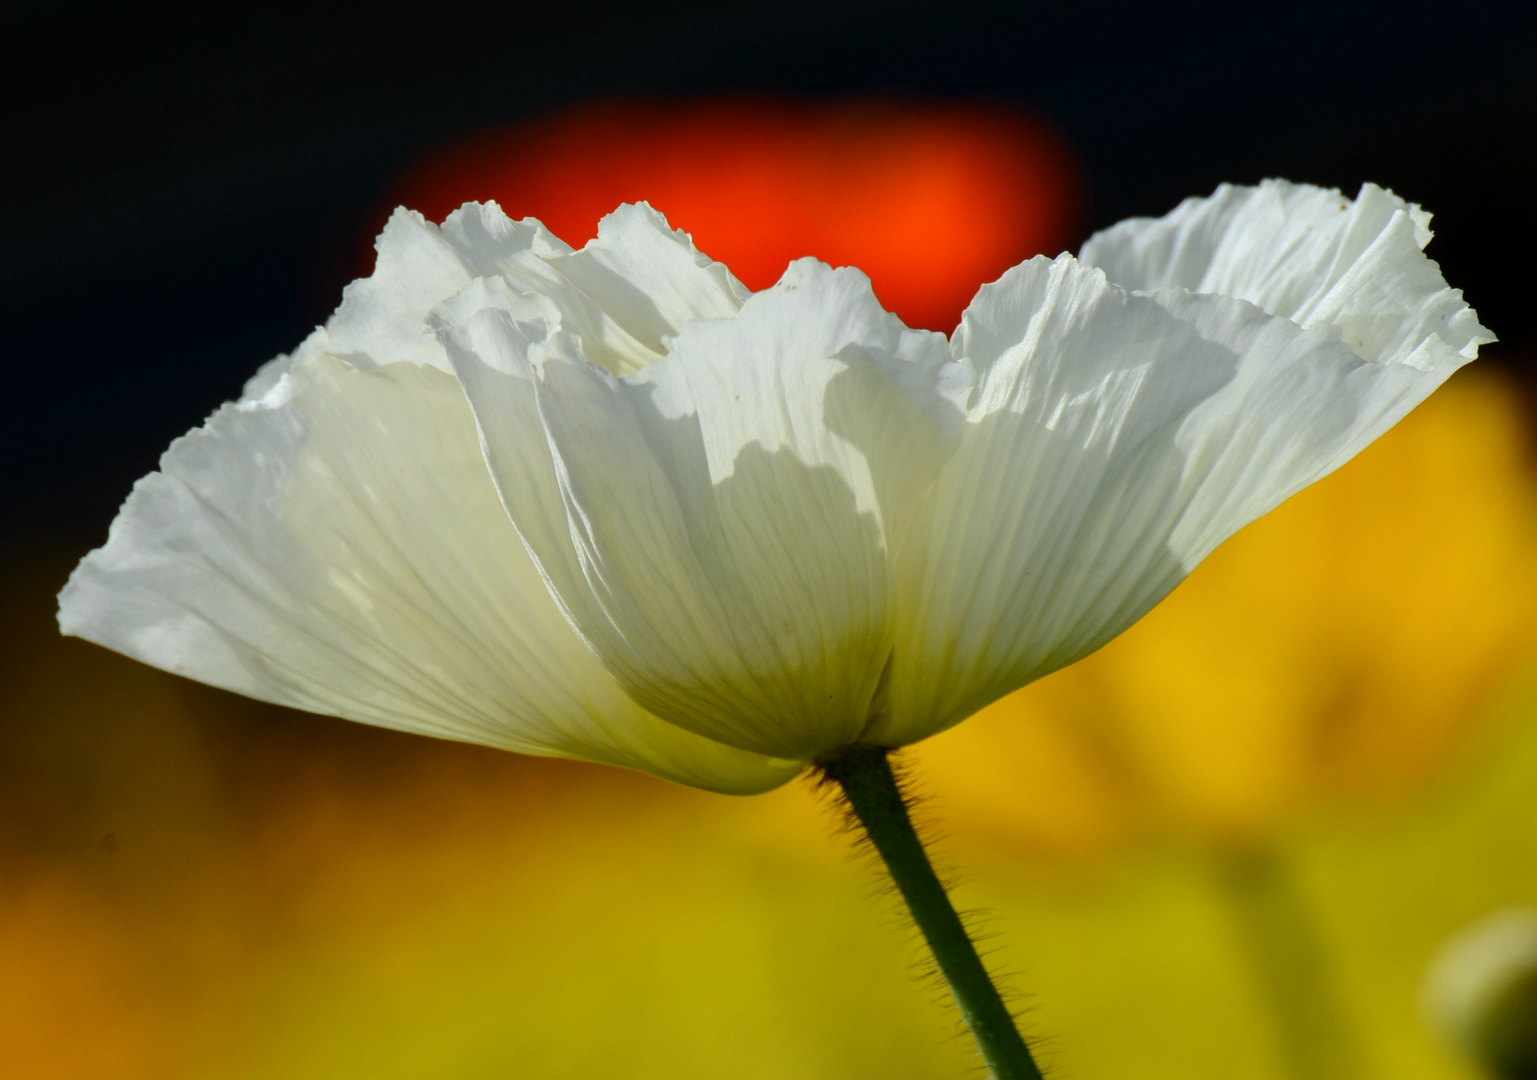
(929, 200)
(196, 885)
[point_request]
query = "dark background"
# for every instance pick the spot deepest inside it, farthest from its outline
(187, 185)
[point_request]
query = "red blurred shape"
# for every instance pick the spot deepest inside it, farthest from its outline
(929, 200)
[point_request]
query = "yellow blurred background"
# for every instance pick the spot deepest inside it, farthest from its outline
(193, 885)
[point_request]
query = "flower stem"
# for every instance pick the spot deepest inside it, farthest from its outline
(864, 774)
(1290, 961)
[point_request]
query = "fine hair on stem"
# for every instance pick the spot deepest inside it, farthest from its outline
(879, 803)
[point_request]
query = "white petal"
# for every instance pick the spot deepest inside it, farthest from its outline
(1113, 440)
(1299, 406)
(637, 252)
(626, 293)
(338, 546)
(383, 318)
(1309, 255)
(712, 525)
(650, 282)
(623, 295)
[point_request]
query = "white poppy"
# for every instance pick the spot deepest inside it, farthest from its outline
(608, 504)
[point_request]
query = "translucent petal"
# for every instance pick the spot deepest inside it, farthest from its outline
(1309, 255)
(337, 545)
(623, 295)
(712, 525)
(1112, 441)
(650, 282)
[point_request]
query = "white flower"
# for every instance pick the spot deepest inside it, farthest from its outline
(607, 504)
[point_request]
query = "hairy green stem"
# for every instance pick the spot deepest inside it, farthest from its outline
(1291, 965)
(868, 784)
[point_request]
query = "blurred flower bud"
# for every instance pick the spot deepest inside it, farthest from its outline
(1481, 992)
